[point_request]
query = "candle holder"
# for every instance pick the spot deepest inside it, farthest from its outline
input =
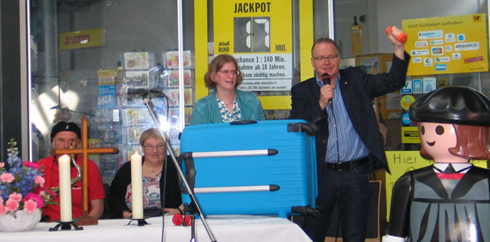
(65, 226)
(141, 222)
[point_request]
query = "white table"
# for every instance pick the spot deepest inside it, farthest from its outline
(225, 229)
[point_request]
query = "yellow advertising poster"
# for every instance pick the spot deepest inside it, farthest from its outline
(403, 161)
(259, 35)
(82, 39)
(444, 45)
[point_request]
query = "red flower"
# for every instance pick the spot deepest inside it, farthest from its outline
(31, 164)
(36, 197)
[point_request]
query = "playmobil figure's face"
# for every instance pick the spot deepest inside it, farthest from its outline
(437, 139)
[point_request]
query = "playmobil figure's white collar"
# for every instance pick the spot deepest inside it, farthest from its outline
(459, 167)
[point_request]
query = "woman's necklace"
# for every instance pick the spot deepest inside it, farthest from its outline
(153, 169)
(231, 101)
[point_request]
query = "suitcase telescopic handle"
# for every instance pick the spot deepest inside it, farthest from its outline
(306, 210)
(187, 158)
(310, 129)
(241, 122)
(190, 172)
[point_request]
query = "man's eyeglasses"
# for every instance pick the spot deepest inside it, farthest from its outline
(234, 72)
(151, 147)
(329, 58)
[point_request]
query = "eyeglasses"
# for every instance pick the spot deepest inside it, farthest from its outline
(329, 58)
(151, 147)
(226, 72)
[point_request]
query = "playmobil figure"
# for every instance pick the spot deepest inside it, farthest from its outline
(449, 201)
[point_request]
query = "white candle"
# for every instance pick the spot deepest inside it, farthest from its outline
(65, 188)
(137, 185)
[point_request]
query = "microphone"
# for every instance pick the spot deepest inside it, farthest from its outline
(326, 80)
(128, 91)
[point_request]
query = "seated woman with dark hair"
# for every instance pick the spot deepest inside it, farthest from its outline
(154, 159)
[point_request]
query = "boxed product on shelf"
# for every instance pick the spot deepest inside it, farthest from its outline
(173, 78)
(139, 60)
(133, 148)
(172, 59)
(137, 78)
(106, 77)
(136, 116)
(174, 96)
(107, 97)
(188, 98)
(134, 133)
(188, 112)
(107, 89)
(174, 114)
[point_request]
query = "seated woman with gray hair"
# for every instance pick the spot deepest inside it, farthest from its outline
(154, 160)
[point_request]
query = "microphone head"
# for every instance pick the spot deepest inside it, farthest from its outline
(130, 91)
(326, 78)
(325, 75)
(124, 91)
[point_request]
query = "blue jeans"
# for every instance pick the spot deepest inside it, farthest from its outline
(350, 190)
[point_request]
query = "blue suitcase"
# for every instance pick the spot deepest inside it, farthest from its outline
(248, 167)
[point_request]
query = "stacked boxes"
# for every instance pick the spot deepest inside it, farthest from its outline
(172, 62)
(105, 125)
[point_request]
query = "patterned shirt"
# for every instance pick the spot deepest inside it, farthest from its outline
(151, 193)
(226, 116)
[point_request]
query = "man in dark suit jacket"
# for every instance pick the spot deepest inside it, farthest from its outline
(348, 143)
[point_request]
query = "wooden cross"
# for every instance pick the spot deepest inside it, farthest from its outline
(84, 151)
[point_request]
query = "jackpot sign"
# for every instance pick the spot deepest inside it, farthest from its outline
(259, 35)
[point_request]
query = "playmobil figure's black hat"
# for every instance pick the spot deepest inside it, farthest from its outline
(456, 105)
(64, 126)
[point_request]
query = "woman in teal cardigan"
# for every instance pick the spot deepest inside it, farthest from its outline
(227, 103)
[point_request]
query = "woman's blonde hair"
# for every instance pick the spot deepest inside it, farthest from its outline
(150, 133)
